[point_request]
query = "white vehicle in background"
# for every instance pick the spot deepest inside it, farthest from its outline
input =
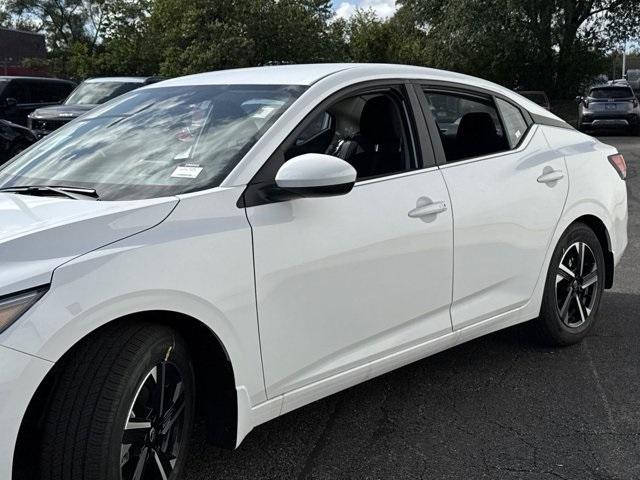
(254, 240)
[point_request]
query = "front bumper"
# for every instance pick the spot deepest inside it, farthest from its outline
(20, 376)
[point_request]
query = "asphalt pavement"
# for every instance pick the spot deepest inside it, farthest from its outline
(500, 407)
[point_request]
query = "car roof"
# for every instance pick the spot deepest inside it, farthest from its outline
(307, 75)
(617, 86)
(116, 79)
(303, 74)
(42, 79)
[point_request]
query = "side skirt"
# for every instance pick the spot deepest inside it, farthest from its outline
(299, 397)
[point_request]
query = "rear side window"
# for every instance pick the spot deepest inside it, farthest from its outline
(469, 126)
(515, 125)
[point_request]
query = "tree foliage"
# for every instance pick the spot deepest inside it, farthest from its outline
(554, 45)
(550, 44)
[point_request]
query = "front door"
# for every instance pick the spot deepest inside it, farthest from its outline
(344, 280)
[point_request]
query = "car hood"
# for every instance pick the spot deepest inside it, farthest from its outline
(62, 111)
(38, 234)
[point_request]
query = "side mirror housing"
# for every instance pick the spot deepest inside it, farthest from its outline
(10, 102)
(579, 99)
(316, 175)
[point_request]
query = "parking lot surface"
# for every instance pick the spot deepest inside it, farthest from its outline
(500, 407)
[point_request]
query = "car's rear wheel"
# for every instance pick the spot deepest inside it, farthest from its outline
(574, 286)
(122, 408)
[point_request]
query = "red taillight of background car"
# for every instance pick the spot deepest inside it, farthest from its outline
(619, 164)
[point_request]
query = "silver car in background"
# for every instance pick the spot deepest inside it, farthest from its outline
(612, 106)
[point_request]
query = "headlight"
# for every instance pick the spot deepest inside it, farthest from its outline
(14, 305)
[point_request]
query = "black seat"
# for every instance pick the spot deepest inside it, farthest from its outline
(477, 136)
(377, 148)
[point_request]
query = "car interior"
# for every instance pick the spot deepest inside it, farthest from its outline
(369, 131)
(469, 126)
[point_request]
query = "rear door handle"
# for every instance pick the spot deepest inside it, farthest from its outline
(431, 209)
(552, 176)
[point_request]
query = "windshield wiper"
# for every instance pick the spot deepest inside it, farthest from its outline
(76, 193)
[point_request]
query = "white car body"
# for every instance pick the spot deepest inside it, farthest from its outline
(307, 296)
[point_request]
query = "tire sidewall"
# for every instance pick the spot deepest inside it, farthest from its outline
(561, 333)
(174, 352)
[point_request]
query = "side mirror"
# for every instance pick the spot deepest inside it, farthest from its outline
(10, 102)
(316, 175)
(579, 99)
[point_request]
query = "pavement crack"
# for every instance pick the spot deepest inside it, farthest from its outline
(321, 442)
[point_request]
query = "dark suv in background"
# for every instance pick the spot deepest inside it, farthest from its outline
(19, 96)
(611, 106)
(88, 95)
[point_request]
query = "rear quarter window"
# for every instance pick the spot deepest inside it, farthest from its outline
(514, 123)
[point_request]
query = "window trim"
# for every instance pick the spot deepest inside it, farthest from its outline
(466, 91)
(521, 147)
(256, 191)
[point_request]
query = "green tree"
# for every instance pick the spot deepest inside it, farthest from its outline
(551, 44)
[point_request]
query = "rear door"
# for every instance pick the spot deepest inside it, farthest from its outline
(507, 189)
(344, 280)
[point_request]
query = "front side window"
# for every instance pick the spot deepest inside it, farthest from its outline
(154, 142)
(469, 126)
(368, 130)
(514, 123)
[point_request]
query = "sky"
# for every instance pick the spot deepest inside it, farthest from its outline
(384, 8)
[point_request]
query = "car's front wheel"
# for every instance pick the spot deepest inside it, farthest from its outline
(122, 408)
(574, 286)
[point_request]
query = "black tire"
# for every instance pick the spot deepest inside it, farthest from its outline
(578, 319)
(93, 401)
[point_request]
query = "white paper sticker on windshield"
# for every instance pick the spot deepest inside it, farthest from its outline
(186, 171)
(518, 134)
(264, 112)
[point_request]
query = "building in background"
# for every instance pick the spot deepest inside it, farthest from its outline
(17, 46)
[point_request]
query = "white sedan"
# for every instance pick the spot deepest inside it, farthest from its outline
(254, 240)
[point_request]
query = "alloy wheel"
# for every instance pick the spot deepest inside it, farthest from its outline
(576, 285)
(153, 433)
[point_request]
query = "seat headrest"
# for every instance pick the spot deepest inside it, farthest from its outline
(378, 120)
(477, 125)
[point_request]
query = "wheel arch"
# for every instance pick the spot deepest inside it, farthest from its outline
(599, 228)
(215, 386)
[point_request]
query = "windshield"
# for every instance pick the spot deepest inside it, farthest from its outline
(611, 92)
(154, 142)
(96, 93)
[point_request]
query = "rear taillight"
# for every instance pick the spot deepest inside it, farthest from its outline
(619, 164)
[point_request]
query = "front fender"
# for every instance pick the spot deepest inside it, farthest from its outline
(197, 263)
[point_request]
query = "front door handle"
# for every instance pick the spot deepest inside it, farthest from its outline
(551, 176)
(431, 209)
